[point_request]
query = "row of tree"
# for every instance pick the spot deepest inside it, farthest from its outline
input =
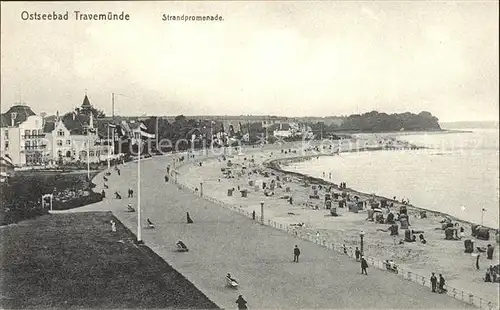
(382, 122)
(182, 128)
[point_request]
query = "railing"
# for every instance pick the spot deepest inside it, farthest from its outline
(464, 296)
(34, 147)
(33, 136)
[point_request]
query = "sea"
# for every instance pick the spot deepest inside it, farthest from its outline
(457, 174)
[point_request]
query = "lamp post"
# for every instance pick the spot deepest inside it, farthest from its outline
(109, 150)
(362, 235)
(211, 135)
(88, 155)
(111, 147)
(201, 189)
(139, 237)
(482, 215)
(262, 212)
(204, 144)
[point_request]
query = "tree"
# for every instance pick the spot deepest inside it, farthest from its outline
(97, 113)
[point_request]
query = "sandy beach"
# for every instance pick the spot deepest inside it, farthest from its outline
(252, 166)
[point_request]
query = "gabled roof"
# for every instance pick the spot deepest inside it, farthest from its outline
(102, 128)
(48, 127)
(76, 125)
(50, 118)
(20, 113)
(136, 126)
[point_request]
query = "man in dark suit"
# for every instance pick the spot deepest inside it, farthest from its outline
(296, 253)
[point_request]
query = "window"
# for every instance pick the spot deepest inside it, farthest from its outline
(59, 153)
(68, 142)
(6, 135)
(60, 133)
(68, 154)
(6, 145)
(26, 133)
(34, 132)
(27, 144)
(59, 142)
(91, 153)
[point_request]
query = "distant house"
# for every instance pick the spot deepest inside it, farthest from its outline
(285, 130)
(135, 131)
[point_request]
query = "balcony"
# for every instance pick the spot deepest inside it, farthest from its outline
(35, 136)
(34, 147)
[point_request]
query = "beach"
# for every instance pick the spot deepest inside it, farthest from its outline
(438, 255)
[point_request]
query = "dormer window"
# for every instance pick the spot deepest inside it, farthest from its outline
(60, 133)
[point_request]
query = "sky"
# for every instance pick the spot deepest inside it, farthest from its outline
(282, 58)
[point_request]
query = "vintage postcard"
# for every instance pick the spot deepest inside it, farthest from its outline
(249, 155)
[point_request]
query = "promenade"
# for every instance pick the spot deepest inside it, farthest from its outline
(260, 257)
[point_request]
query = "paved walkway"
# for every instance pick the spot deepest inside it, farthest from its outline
(260, 257)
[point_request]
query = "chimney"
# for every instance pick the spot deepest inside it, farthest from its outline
(73, 115)
(13, 116)
(43, 115)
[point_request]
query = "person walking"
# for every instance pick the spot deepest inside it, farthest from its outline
(364, 265)
(477, 261)
(442, 283)
(242, 303)
(296, 253)
(433, 282)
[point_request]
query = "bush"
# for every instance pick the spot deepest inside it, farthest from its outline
(77, 202)
(20, 198)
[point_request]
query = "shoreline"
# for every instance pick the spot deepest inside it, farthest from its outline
(438, 255)
(276, 165)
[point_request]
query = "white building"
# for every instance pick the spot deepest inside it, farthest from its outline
(286, 130)
(71, 137)
(22, 137)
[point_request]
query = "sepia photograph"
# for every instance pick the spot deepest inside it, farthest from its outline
(249, 155)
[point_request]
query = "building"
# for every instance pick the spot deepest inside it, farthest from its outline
(22, 137)
(6, 168)
(135, 131)
(70, 137)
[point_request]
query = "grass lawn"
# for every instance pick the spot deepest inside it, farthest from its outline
(74, 260)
